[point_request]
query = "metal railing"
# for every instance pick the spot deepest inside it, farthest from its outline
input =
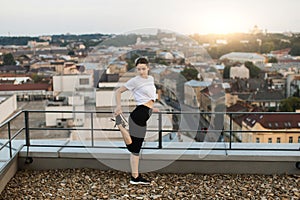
(228, 133)
(7, 144)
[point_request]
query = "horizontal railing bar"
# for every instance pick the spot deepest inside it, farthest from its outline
(166, 148)
(98, 129)
(236, 149)
(166, 130)
(14, 136)
(165, 112)
(17, 133)
(70, 129)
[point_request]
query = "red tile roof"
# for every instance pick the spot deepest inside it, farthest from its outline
(274, 121)
(30, 86)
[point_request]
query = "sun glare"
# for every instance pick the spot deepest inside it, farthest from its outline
(222, 23)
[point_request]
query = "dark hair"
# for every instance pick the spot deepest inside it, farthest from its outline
(141, 60)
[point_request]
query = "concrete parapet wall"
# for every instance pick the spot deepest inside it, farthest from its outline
(173, 159)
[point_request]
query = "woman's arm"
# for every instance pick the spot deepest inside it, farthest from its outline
(118, 93)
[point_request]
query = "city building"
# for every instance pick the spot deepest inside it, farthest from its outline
(239, 72)
(293, 85)
(27, 91)
(117, 67)
(243, 57)
(8, 105)
(212, 98)
(272, 128)
(281, 54)
(77, 84)
(69, 82)
(267, 100)
(105, 95)
(34, 44)
(234, 120)
(65, 103)
(192, 90)
(13, 69)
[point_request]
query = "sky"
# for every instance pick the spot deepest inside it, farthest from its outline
(44, 17)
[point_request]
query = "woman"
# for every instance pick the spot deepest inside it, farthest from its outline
(144, 91)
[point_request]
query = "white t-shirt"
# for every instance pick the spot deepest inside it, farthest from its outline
(143, 89)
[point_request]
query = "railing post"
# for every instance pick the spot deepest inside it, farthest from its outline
(28, 159)
(27, 135)
(159, 130)
(92, 129)
(230, 131)
(9, 139)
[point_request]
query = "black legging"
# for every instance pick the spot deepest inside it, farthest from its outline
(137, 127)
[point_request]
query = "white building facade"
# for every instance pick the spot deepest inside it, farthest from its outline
(8, 105)
(239, 72)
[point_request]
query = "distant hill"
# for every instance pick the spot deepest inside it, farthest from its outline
(56, 39)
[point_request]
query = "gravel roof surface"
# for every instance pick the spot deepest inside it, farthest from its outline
(96, 184)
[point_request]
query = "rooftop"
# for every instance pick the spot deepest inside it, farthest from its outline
(243, 55)
(91, 169)
(97, 184)
(274, 121)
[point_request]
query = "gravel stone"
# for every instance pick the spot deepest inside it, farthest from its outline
(95, 184)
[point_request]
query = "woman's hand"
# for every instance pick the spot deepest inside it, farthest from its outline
(155, 110)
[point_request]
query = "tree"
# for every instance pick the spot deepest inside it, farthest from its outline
(161, 61)
(190, 73)
(36, 78)
(130, 64)
(297, 93)
(8, 59)
(290, 104)
(71, 53)
(226, 72)
(253, 69)
(295, 51)
(267, 47)
(272, 60)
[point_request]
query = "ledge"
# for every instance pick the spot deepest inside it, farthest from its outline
(171, 151)
(203, 159)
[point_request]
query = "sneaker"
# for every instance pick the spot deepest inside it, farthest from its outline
(139, 180)
(120, 119)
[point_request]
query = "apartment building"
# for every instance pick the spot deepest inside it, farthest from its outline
(272, 128)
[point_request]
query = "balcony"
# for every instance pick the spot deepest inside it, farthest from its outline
(22, 149)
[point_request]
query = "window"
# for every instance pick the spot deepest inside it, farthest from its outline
(84, 81)
(270, 125)
(278, 140)
(290, 139)
(269, 140)
(298, 139)
(257, 140)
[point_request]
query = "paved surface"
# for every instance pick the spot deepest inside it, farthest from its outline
(95, 184)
